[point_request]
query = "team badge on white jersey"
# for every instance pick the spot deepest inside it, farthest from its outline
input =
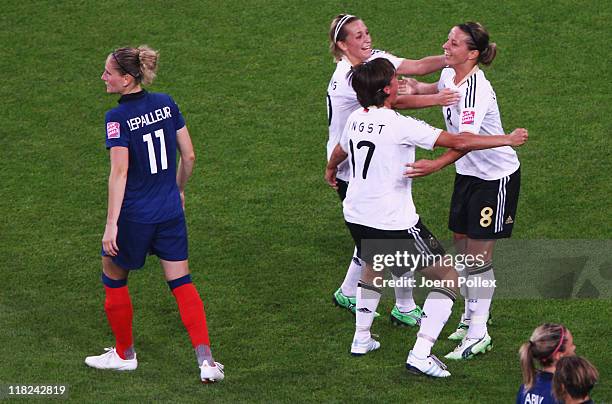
(477, 112)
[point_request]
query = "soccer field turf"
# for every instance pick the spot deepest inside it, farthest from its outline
(268, 245)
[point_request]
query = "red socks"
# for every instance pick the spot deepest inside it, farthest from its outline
(118, 307)
(192, 313)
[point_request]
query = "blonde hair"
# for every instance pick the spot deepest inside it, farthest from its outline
(340, 35)
(140, 63)
(574, 376)
(546, 340)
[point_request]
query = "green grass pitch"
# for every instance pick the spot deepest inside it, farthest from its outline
(267, 241)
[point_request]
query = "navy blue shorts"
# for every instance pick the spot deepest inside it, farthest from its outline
(167, 240)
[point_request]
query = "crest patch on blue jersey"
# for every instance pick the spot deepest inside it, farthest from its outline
(113, 130)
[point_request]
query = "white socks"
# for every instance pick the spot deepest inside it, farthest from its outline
(353, 273)
(437, 309)
(403, 294)
(479, 301)
(368, 297)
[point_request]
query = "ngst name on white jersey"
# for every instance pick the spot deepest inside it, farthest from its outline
(380, 142)
(477, 112)
(342, 101)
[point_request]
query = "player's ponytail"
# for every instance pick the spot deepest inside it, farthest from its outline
(545, 341)
(478, 39)
(486, 56)
(140, 63)
(527, 366)
(148, 63)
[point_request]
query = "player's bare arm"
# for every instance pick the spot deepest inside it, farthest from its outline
(423, 66)
(186, 160)
(423, 167)
(414, 94)
(119, 157)
(444, 98)
(337, 157)
(466, 141)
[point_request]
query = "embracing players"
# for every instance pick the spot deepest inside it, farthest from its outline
(378, 142)
(351, 45)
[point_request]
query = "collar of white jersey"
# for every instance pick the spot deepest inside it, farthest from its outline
(467, 76)
(374, 107)
(344, 59)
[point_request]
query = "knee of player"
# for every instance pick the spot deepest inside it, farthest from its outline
(450, 279)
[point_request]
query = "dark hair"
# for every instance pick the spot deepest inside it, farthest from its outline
(140, 63)
(545, 340)
(341, 35)
(574, 376)
(478, 39)
(369, 79)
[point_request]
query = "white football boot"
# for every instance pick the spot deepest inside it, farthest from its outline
(470, 347)
(430, 366)
(111, 360)
(211, 374)
(361, 348)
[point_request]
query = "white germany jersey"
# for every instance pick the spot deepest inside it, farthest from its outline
(380, 142)
(477, 112)
(342, 100)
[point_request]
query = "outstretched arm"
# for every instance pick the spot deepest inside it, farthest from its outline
(409, 85)
(415, 94)
(459, 146)
(421, 168)
(421, 67)
(445, 97)
(466, 141)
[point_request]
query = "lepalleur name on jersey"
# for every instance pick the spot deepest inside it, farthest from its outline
(362, 127)
(149, 118)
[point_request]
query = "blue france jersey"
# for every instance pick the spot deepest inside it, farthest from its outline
(146, 123)
(540, 392)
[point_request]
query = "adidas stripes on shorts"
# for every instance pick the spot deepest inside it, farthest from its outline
(415, 241)
(484, 209)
